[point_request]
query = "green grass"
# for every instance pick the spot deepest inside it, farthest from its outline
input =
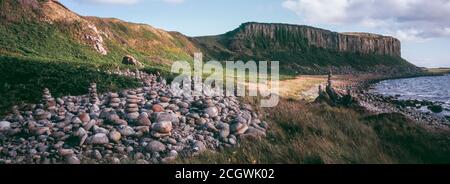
(23, 80)
(311, 134)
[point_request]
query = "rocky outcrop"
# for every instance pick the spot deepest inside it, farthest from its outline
(284, 36)
(130, 60)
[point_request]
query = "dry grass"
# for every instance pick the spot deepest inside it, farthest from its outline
(305, 134)
(305, 87)
(302, 87)
(439, 70)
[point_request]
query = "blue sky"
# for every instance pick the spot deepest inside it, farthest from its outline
(425, 34)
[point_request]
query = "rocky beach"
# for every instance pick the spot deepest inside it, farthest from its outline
(144, 125)
(428, 109)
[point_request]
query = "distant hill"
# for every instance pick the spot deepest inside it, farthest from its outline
(47, 29)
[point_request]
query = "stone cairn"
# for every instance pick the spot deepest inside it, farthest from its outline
(47, 99)
(333, 97)
(132, 108)
(93, 96)
(61, 114)
(114, 100)
(140, 93)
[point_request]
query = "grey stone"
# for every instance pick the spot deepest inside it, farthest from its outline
(156, 146)
(212, 112)
(100, 139)
(126, 130)
(162, 127)
(5, 126)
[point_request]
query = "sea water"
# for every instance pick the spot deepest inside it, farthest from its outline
(434, 89)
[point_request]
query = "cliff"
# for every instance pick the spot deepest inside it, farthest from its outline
(305, 49)
(285, 36)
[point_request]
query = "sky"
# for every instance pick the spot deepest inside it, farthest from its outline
(423, 26)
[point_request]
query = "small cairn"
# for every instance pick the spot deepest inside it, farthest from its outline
(47, 99)
(330, 76)
(114, 100)
(16, 115)
(334, 97)
(132, 108)
(61, 114)
(141, 96)
(93, 96)
(40, 114)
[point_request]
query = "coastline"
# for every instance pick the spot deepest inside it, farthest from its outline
(367, 83)
(378, 104)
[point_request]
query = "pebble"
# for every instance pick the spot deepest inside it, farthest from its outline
(212, 112)
(84, 117)
(115, 136)
(157, 108)
(199, 147)
(143, 120)
(5, 126)
(97, 155)
(73, 160)
(126, 130)
(156, 146)
(162, 127)
(224, 131)
(239, 128)
(65, 152)
(100, 139)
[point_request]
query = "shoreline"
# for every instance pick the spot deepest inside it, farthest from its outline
(376, 103)
(366, 84)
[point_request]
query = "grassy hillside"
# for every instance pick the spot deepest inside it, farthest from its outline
(311, 134)
(47, 29)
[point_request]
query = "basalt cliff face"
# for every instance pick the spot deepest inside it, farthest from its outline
(367, 44)
(252, 36)
(305, 48)
(280, 34)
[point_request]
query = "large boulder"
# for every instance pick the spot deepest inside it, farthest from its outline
(130, 60)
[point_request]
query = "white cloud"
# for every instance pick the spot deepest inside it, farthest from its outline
(174, 1)
(409, 35)
(409, 19)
